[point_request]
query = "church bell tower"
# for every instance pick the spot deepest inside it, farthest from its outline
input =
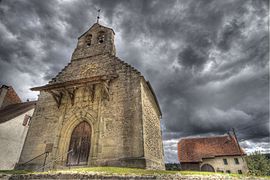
(96, 41)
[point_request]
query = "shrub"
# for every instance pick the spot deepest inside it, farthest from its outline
(258, 164)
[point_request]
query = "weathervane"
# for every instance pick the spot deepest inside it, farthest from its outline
(98, 12)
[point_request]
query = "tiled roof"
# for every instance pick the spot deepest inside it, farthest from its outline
(14, 110)
(11, 97)
(194, 149)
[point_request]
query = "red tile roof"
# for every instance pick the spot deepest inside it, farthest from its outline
(11, 111)
(11, 97)
(194, 149)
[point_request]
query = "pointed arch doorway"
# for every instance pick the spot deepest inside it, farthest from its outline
(80, 143)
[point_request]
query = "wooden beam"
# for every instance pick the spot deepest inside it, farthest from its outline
(78, 82)
(57, 96)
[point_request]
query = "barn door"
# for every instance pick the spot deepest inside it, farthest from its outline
(80, 145)
(207, 168)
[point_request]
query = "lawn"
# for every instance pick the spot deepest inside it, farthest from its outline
(119, 171)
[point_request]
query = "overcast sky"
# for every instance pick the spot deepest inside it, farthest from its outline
(207, 60)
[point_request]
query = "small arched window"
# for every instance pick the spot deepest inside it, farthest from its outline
(88, 40)
(101, 37)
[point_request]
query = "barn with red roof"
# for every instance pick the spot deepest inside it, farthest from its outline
(215, 153)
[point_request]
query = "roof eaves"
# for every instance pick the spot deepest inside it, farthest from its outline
(155, 97)
(6, 114)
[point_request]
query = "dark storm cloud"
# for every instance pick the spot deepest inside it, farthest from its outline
(231, 32)
(190, 58)
(37, 37)
(208, 61)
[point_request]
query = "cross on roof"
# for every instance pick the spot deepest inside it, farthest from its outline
(98, 13)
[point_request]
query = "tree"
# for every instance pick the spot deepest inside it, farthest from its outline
(258, 164)
(172, 166)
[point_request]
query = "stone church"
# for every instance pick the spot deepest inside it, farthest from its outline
(98, 111)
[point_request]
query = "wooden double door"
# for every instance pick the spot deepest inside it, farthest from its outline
(80, 144)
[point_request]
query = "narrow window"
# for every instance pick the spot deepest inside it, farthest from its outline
(240, 172)
(101, 37)
(228, 171)
(88, 40)
(26, 120)
(236, 160)
(225, 161)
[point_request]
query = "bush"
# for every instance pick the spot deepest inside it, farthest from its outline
(172, 166)
(258, 164)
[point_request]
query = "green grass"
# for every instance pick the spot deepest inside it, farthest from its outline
(200, 173)
(135, 171)
(121, 171)
(115, 170)
(15, 172)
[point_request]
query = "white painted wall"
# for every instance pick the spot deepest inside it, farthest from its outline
(218, 164)
(12, 136)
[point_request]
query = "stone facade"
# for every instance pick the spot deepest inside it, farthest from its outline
(151, 116)
(111, 96)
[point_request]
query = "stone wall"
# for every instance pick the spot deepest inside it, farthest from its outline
(42, 130)
(153, 147)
